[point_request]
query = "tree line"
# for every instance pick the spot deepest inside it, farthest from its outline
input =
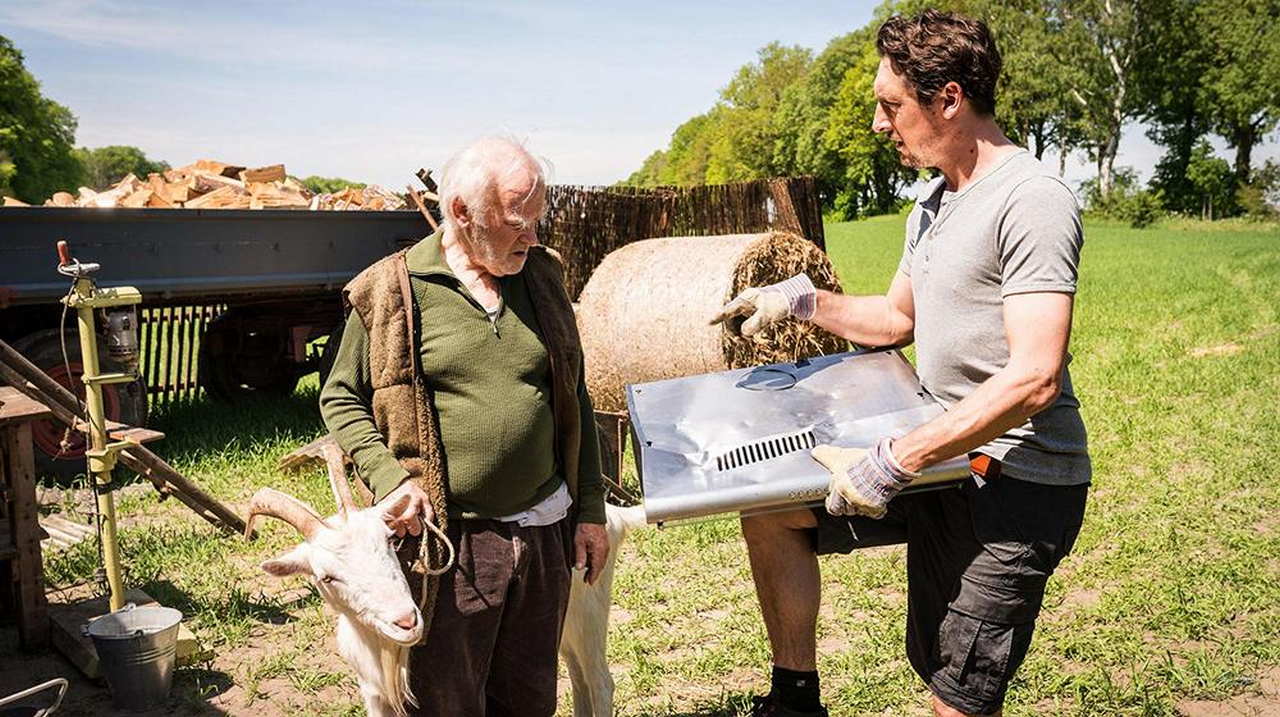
(1076, 72)
(38, 155)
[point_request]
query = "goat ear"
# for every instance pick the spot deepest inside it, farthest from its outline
(291, 563)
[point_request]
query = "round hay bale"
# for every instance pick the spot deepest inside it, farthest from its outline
(645, 313)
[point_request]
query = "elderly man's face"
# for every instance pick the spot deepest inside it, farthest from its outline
(502, 247)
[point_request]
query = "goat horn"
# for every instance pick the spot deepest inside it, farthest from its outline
(338, 479)
(268, 501)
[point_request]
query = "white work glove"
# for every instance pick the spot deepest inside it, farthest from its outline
(862, 481)
(766, 305)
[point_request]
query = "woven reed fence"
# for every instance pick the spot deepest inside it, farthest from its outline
(586, 223)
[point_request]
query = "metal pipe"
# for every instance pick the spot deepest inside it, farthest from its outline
(101, 476)
(100, 471)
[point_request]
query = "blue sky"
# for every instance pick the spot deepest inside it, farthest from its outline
(374, 90)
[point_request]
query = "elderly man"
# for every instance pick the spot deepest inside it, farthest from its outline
(985, 289)
(459, 382)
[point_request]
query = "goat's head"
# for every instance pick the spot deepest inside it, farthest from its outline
(350, 557)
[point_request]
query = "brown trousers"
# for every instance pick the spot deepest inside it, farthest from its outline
(492, 646)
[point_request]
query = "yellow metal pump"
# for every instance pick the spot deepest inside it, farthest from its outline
(86, 298)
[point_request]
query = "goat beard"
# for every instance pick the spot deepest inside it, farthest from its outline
(395, 676)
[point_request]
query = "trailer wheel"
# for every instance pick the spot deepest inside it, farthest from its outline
(126, 403)
(238, 361)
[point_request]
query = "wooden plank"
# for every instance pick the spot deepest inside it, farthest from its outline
(189, 346)
(69, 619)
(62, 533)
(138, 199)
(215, 167)
(17, 407)
(135, 434)
(149, 353)
(169, 322)
(269, 173)
(20, 469)
(160, 194)
(158, 202)
(221, 198)
(177, 193)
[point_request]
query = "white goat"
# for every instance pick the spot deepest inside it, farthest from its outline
(351, 560)
(584, 640)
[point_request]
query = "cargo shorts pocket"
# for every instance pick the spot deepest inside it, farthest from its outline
(974, 660)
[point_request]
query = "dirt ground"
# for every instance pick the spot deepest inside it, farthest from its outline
(1263, 703)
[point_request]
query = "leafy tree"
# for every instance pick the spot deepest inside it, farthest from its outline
(1259, 198)
(1097, 44)
(36, 134)
(1214, 181)
(104, 166)
(1031, 104)
(734, 140)
(804, 112)
(1241, 82)
(747, 130)
(649, 172)
(873, 172)
(1174, 56)
(828, 129)
(329, 185)
(1125, 200)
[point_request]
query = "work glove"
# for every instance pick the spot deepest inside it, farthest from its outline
(862, 481)
(766, 305)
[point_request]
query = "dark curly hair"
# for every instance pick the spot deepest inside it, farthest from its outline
(934, 48)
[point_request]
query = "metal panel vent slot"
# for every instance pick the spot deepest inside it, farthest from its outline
(765, 449)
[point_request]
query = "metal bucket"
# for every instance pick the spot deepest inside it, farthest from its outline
(137, 647)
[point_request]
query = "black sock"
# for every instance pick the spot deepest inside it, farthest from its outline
(796, 690)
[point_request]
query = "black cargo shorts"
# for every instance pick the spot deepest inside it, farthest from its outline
(978, 558)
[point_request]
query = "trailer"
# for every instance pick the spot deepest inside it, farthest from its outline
(232, 299)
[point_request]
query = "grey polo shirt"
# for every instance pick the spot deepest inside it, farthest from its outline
(1015, 230)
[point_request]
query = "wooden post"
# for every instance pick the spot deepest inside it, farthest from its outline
(33, 622)
(21, 513)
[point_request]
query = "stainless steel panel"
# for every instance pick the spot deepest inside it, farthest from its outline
(739, 440)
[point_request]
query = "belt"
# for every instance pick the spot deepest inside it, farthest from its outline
(984, 466)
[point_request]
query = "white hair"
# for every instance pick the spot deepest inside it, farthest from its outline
(472, 175)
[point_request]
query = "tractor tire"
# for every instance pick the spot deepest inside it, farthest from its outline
(126, 403)
(235, 364)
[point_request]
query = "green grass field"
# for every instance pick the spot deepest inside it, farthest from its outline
(1172, 594)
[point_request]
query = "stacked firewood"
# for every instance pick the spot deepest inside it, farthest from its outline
(208, 184)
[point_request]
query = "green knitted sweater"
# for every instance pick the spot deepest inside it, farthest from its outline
(491, 387)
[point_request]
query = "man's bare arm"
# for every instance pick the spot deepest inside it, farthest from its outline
(887, 320)
(1038, 328)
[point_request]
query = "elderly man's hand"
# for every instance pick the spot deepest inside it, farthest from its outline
(410, 518)
(590, 550)
(770, 304)
(862, 481)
